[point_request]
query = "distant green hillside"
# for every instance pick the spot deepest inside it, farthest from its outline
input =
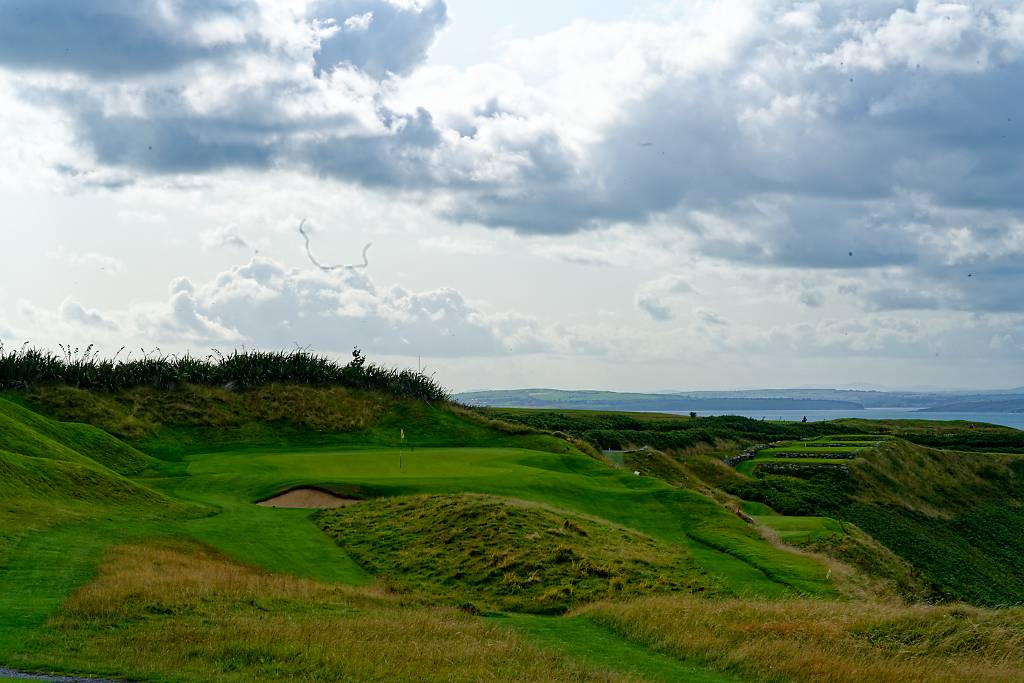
(611, 400)
(618, 430)
(956, 517)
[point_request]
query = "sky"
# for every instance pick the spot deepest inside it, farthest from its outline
(620, 195)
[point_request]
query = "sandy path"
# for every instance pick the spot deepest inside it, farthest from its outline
(307, 498)
(18, 675)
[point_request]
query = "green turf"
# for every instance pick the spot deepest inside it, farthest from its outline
(599, 646)
(748, 467)
(800, 529)
(756, 509)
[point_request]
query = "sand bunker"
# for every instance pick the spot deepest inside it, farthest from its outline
(307, 498)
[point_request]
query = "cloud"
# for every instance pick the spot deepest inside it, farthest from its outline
(778, 134)
(224, 236)
(113, 38)
(73, 312)
(710, 318)
(267, 305)
(88, 260)
(656, 297)
(812, 298)
(377, 37)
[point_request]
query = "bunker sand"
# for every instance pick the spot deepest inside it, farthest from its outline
(310, 498)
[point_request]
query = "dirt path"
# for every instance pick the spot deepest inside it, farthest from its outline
(20, 676)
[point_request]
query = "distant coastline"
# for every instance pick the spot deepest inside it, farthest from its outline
(754, 402)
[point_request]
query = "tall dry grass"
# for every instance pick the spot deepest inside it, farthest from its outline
(181, 611)
(828, 642)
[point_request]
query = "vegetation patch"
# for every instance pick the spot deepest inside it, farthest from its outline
(25, 367)
(507, 554)
(807, 641)
(670, 433)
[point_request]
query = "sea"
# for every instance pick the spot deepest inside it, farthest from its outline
(1015, 420)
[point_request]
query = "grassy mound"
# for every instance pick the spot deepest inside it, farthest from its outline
(53, 472)
(507, 553)
(31, 434)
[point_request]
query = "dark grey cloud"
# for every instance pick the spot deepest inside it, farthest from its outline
(376, 36)
(657, 297)
(112, 38)
(396, 157)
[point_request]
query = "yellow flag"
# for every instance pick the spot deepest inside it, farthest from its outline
(403, 434)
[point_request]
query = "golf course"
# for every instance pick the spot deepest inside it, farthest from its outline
(294, 531)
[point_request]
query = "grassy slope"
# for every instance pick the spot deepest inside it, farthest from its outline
(59, 508)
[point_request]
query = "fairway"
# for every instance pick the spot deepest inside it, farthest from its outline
(287, 540)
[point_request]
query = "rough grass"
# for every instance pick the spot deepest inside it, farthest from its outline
(170, 423)
(507, 554)
(184, 613)
(141, 413)
(836, 642)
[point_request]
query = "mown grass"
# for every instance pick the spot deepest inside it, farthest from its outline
(498, 553)
(840, 642)
(180, 612)
(801, 530)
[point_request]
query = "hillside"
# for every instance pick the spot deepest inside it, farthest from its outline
(461, 527)
(955, 517)
(53, 472)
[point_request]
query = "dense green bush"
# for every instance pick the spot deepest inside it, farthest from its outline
(27, 367)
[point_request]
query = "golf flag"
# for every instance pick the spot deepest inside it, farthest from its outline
(403, 434)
